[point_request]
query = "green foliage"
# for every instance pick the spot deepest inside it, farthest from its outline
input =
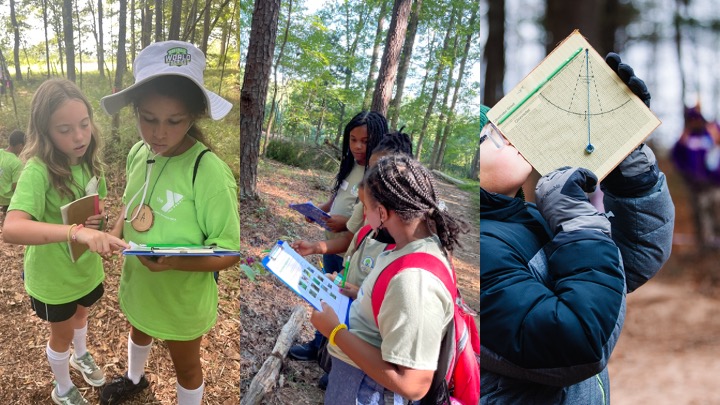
(252, 268)
(300, 155)
(223, 135)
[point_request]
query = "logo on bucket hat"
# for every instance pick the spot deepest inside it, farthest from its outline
(177, 56)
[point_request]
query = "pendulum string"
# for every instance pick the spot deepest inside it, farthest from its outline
(589, 148)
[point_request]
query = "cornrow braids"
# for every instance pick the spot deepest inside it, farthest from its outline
(403, 185)
(377, 127)
(396, 142)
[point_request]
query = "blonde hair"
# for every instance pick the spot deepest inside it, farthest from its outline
(47, 99)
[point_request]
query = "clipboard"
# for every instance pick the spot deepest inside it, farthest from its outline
(313, 212)
(177, 250)
(306, 280)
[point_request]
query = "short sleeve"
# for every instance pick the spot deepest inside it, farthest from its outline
(30, 194)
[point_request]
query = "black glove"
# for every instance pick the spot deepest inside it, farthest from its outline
(561, 200)
(639, 172)
(627, 75)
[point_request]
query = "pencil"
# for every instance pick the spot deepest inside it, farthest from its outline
(539, 86)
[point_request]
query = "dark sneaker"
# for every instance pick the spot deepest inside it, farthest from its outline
(303, 352)
(121, 389)
(323, 381)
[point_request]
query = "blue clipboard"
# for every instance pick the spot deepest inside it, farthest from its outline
(178, 250)
(313, 212)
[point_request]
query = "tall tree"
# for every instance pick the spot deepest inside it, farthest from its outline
(443, 106)
(494, 55)
(16, 47)
(68, 34)
(158, 20)
(121, 65)
(261, 48)
(206, 26)
(438, 77)
(470, 28)
(175, 15)
(79, 28)
(391, 56)
(98, 34)
(376, 51)
(273, 101)
(47, 41)
(146, 30)
(405, 59)
(133, 39)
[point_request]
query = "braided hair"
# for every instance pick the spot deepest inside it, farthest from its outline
(377, 127)
(403, 185)
(396, 142)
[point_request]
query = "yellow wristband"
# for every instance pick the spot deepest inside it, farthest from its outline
(335, 331)
(70, 231)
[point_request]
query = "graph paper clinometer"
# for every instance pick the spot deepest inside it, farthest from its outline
(573, 110)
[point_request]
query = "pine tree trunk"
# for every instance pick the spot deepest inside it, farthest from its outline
(100, 45)
(68, 35)
(443, 106)
(391, 56)
(438, 77)
(16, 47)
(456, 92)
(260, 52)
(47, 41)
(367, 99)
(147, 27)
(405, 63)
(133, 42)
(158, 20)
(206, 27)
(273, 101)
(176, 11)
(121, 65)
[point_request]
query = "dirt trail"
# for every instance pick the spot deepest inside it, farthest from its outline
(261, 318)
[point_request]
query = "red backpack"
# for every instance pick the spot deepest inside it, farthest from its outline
(457, 378)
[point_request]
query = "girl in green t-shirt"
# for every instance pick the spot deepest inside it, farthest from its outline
(396, 357)
(172, 196)
(63, 164)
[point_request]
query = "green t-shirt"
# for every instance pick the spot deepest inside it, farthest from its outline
(10, 168)
(415, 312)
(50, 275)
(174, 304)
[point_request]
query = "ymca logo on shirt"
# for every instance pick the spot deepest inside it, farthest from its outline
(172, 200)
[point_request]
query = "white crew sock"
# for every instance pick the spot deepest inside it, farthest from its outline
(60, 366)
(137, 356)
(190, 397)
(80, 341)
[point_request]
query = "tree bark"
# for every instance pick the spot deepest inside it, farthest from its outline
(405, 63)
(391, 56)
(147, 26)
(121, 65)
(100, 46)
(367, 99)
(77, 17)
(133, 42)
(273, 101)
(438, 77)
(47, 41)
(458, 83)
(261, 48)
(16, 46)
(67, 12)
(206, 27)
(57, 27)
(158, 20)
(175, 14)
(265, 379)
(443, 106)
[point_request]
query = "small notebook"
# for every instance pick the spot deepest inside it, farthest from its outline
(77, 212)
(305, 280)
(313, 212)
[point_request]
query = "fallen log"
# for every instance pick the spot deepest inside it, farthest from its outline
(266, 379)
(448, 178)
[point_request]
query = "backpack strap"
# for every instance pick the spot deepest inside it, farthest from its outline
(363, 232)
(197, 164)
(418, 260)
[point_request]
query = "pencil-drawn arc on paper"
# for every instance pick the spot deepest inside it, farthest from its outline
(583, 114)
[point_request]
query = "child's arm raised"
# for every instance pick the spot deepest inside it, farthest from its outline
(21, 229)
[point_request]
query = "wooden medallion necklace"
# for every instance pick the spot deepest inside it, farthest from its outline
(142, 217)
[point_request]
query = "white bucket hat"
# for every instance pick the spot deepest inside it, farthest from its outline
(168, 58)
